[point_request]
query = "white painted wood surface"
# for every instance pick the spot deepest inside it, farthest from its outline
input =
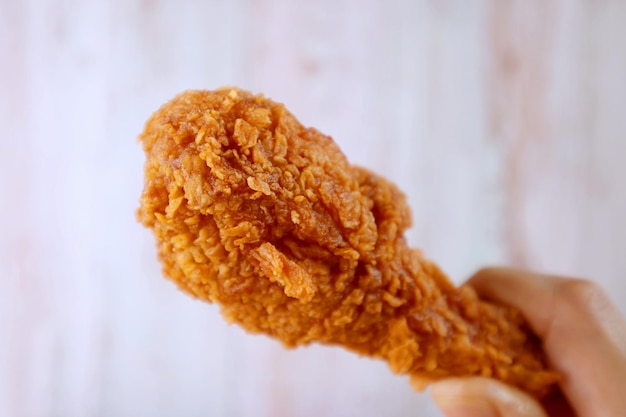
(503, 120)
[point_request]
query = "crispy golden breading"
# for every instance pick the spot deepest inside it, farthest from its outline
(267, 218)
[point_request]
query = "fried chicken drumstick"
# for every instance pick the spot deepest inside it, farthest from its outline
(267, 218)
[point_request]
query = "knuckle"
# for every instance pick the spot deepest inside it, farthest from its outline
(582, 294)
(486, 273)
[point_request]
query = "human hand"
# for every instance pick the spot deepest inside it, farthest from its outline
(584, 337)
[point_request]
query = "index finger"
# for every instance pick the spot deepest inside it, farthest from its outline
(583, 334)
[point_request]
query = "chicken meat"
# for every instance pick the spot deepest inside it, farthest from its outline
(254, 211)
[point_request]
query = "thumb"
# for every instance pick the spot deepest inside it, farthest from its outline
(483, 397)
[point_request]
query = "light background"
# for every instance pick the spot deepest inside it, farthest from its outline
(503, 120)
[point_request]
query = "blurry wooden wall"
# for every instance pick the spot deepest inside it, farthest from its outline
(503, 120)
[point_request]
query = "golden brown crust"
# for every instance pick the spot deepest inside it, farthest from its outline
(266, 217)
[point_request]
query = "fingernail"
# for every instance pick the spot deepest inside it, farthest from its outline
(456, 401)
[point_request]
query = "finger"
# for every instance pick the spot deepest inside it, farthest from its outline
(584, 336)
(483, 397)
(526, 291)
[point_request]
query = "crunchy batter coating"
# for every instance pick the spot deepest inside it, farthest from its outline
(266, 217)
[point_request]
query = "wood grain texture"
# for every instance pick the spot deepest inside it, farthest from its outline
(503, 122)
